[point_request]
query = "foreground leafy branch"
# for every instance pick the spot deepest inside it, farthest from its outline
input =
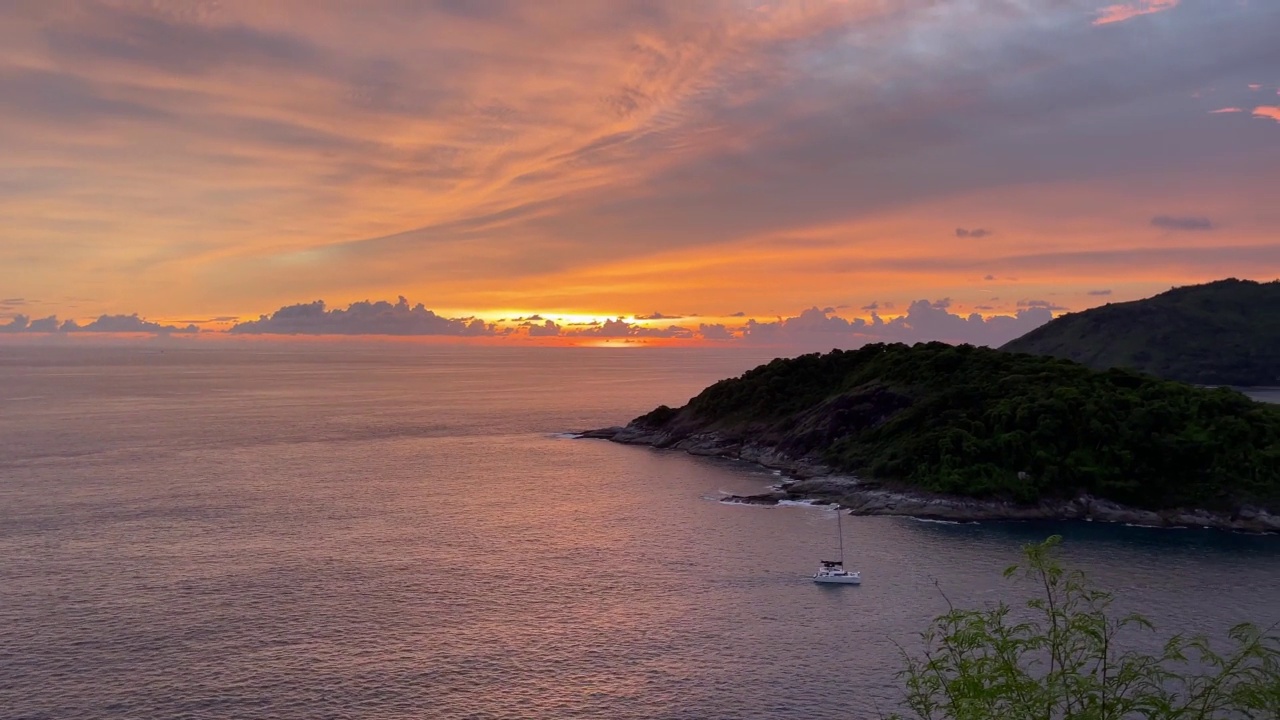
(1066, 660)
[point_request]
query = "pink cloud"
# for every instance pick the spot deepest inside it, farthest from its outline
(923, 321)
(1269, 112)
(1226, 110)
(1125, 11)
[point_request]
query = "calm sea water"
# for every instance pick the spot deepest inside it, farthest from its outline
(404, 532)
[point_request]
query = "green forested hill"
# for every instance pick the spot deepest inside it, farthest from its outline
(987, 423)
(1222, 333)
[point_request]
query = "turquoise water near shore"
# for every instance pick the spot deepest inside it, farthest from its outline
(405, 531)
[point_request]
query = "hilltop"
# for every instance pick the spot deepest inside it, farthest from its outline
(923, 429)
(1221, 333)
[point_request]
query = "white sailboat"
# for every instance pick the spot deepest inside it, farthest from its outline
(832, 571)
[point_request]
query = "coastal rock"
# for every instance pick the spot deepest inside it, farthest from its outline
(1267, 522)
(942, 507)
(712, 444)
(771, 457)
(823, 487)
(1106, 511)
(608, 433)
(1193, 518)
(633, 435)
(1257, 520)
(772, 498)
(809, 479)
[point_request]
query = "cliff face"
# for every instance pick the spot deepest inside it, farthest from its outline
(985, 429)
(1221, 333)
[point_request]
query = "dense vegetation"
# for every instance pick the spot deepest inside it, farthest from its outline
(1221, 333)
(1064, 656)
(986, 423)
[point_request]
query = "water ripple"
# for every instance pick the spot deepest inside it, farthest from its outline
(500, 571)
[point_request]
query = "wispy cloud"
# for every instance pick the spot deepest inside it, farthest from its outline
(1043, 304)
(1129, 10)
(1268, 112)
(201, 159)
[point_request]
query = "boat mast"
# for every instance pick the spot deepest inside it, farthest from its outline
(840, 532)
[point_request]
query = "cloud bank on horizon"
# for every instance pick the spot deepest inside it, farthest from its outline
(200, 158)
(362, 318)
(813, 328)
(116, 324)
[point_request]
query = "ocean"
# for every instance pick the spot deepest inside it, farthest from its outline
(395, 530)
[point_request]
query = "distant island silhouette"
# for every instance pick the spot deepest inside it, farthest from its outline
(1220, 333)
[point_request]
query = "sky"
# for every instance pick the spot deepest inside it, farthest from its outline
(706, 171)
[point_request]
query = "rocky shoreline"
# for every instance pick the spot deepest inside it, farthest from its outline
(810, 480)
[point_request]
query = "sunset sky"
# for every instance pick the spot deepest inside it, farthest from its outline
(699, 169)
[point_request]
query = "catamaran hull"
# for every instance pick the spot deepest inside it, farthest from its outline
(838, 580)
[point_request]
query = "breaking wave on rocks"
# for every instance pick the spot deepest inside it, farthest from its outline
(935, 521)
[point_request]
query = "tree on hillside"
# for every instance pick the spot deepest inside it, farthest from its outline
(1065, 660)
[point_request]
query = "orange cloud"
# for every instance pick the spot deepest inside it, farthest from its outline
(206, 159)
(1270, 112)
(1126, 11)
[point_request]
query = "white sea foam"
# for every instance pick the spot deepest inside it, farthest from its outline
(936, 521)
